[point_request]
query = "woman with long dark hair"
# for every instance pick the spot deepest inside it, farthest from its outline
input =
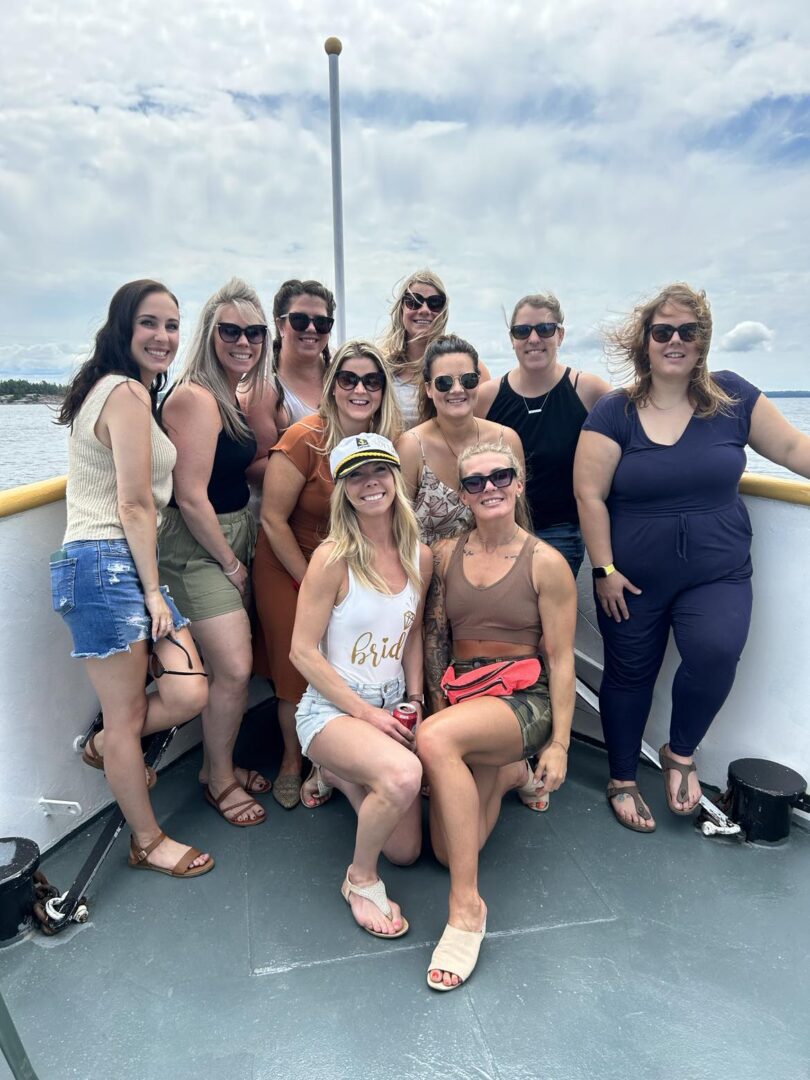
(105, 577)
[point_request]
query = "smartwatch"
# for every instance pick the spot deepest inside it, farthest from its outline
(603, 571)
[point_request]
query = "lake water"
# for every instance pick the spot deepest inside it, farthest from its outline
(33, 448)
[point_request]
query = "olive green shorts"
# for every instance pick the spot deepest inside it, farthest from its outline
(532, 706)
(195, 579)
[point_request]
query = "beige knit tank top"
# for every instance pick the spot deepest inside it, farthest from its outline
(92, 490)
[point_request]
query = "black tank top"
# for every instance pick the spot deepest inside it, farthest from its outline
(549, 440)
(228, 489)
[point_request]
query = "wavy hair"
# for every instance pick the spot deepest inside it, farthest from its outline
(522, 516)
(350, 544)
(112, 349)
(394, 342)
(288, 292)
(441, 346)
(386, 421)
(201, 365)
(626, 345)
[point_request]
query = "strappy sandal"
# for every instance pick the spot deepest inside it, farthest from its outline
(91, 757)
(321, 793)
(231, 813)
(643, 811)
(457, 954)
(379, 898)
(529, 797)
(256, 783)
(668, 764)
(139, 860)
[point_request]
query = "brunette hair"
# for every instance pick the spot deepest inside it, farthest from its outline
(539, 300)
(112, 349)
(281, 306)
(441, 346)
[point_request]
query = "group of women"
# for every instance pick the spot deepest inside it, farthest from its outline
(363, 459)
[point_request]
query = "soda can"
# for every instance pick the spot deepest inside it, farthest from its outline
(406, 714)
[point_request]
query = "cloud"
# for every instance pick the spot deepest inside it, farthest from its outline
(45, 359)
(747, 336)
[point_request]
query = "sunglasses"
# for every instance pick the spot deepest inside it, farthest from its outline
(373, 382)
(476, 483)
(230, 333)
(662, 332)
(468, 381)
(300, 321)
(414, 300)
(522, 331)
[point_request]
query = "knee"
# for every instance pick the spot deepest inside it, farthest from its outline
(431, 741)
(712, 656)
(401, 782)
(407, 853)
(234, 674)
(194, 697)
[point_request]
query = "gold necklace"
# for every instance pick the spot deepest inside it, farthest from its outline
(455, 453)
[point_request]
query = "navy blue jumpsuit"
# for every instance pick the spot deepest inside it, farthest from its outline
(681, 533)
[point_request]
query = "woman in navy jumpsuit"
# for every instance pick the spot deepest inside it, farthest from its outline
(656, 476)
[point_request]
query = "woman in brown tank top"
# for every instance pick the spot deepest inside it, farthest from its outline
(494, 592)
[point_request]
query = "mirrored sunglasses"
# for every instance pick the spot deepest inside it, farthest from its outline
(468, 381)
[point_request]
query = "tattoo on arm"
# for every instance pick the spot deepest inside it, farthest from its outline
(437, 638)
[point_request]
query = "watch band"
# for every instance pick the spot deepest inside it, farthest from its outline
(603, 571)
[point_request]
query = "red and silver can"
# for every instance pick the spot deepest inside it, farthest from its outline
(406, 714)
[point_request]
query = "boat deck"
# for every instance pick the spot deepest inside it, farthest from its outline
(608, 954)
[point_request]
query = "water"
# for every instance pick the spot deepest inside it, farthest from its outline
(33, 448)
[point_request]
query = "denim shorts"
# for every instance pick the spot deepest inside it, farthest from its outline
(315, 711)
(567, 539)
(96, 589)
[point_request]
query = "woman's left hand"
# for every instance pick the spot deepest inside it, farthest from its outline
(162, 621)
(551, 768)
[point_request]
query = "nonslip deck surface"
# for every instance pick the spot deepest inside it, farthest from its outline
(609, 955)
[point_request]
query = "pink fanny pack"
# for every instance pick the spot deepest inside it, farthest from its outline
(498, 679)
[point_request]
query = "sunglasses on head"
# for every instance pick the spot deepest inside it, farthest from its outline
(662, 332)
(414, 300)
(476, 483)
(300, 321)
(373, 381)
(468, 381)
(230, 332)
(522, 331)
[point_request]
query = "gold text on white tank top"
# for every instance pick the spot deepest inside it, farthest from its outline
(367, 648)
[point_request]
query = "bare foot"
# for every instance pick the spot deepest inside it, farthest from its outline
(252, 812)
(624, 806)
(674, 780)
(368, 915)
(472, 918)
(168, 854)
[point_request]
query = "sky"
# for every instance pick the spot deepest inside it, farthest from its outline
(595, 148)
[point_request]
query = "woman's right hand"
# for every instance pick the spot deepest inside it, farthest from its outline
(610, 591)
(385, 722)
(239, 579)
(160, 613)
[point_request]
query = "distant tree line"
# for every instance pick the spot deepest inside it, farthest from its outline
(22, 388)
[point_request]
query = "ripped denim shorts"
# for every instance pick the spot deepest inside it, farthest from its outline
(96, 589)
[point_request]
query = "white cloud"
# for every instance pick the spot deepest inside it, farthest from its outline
(746, 336)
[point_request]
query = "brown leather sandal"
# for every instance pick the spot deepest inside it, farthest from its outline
(668, 764)
(91, 757)
(231, 813)
(642, 810)
(139, 860)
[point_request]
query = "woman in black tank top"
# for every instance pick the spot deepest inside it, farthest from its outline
(546, 404)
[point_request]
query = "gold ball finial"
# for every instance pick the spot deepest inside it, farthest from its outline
(333, 46)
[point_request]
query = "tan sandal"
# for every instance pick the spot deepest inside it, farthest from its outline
(669, 764)
(91, 757)
(315, 788)
(529, 797)
(457, 954)
(139, 860)
(642, 809)
(231, 813)
(379, 898)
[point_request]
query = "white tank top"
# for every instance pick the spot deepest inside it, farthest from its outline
(367, 632)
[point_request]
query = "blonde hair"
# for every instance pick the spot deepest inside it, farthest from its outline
(201, 365)
(539, 300)
(627, 347)
(394, 343)
(522, 516)
(349, 543)
(387, 420)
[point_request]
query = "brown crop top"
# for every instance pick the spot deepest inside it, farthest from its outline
(503, 611)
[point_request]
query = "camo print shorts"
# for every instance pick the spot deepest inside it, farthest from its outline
(531, 706)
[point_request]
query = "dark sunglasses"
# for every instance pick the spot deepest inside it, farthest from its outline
(522, 331)
(468, 381)
(230, 333)
(662, 332)
(476, 483)
(158, 670)
(414, 300)
(374, 381)
(300, 321)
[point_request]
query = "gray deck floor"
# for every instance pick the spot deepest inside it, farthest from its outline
(609, 955)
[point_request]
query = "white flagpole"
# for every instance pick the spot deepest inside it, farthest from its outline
(333, 47)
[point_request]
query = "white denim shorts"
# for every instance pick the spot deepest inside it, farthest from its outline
(315, 711)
